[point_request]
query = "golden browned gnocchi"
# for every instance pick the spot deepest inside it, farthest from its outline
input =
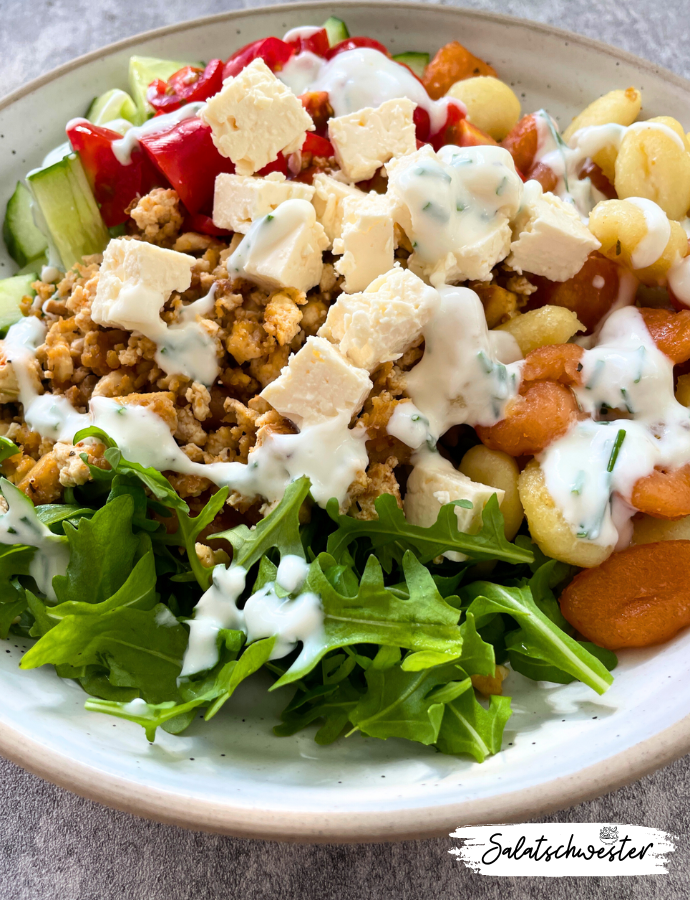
(539, 327)
(632, 234)
(498, 470)
(653, 162)
(548, 526)
(491, 104)
(618, 107)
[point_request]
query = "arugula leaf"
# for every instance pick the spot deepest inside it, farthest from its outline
(189, 530)
(528, 660)
(140, 648)
(375, 615)
(56, 513)
(102, 552)
(332, 704)
(151, 478)
(279, 529)
(552, 644)
(7, 448)
(391, 535)
(402, 704)
(214, 690)
(468, 727)
(478, 656)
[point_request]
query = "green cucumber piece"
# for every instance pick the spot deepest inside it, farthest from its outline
(142, 71)
(11, 292)
(69, 210)
(336, 30)
(114, 104)
(416, 61)
(23, 240)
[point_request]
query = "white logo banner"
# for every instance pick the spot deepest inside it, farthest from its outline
(559, 850)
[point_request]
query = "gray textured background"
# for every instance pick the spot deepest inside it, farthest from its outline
(55, 846)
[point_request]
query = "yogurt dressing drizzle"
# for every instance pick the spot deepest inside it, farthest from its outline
(361, 78)
(329, 453)
(21, 525)
(627, 373)
(267, 613)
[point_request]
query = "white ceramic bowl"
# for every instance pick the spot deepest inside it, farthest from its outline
(562, 745)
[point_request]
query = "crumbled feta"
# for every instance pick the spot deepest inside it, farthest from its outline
(549, 237)
(329, 197)
(282, 249)
(318, 383)
(366, 241)
(366, 139)
(455, 207)
(255, 116)
(136, 279)
(432, 483)
(240, 200)
(376, 326)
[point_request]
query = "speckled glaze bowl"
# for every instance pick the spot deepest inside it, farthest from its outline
(562, 745)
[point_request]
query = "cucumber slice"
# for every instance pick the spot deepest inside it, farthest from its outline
(68, 207)
(336, 30)
(416, 61)
(23, 240)
(114, 104)
(11, 292)
(142, 71)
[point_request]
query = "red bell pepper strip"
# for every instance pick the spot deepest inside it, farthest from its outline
(114, 185)
(274, 52)
(188, 85)
(204, 225)
(422, 123)
(317, 146)
(353, 43)
(316, 43)
(188, 158)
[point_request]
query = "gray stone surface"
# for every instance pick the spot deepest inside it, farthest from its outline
(55, 846)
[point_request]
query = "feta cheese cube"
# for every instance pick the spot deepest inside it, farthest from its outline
(367, 241)
(367, 139)
(433, 482)
(376, 326)
(318, 383)
(282, 249)
(329, 197)
(455, 208)
(240, 200)
(135, 280)
(255, 116)
(549, 237)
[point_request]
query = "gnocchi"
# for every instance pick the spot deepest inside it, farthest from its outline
(498, 470)
(653, 162)
(619, 107)
(491, 104)
(621, 226)
(548, 526)
(543, 326)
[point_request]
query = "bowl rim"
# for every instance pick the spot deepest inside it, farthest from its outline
(300, 826)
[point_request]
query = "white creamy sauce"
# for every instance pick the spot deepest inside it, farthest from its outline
(408, 425)
(129, 142)
(456, 198)
(266, 235)
(301, 71)
(364, 77)
(301, 31)
(658, 234)
(329, 453)
(265, 614)
(679, 280)
(459, 379)
(185, 347)
(21, 525)
(598, 282)
(595, 459)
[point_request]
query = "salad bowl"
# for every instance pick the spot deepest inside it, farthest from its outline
(563, 743)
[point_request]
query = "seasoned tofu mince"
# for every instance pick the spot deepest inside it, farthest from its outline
(305, 377)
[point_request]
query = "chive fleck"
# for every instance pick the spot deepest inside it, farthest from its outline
(617, 444)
